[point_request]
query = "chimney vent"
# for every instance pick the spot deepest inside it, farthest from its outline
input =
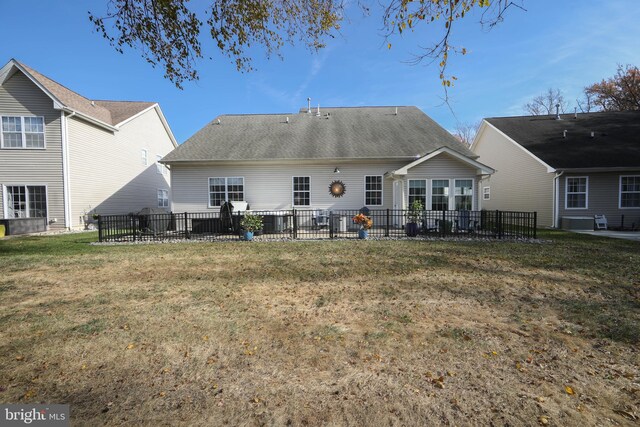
(557, 111)
(575, 112)
(564, 133)
(309, 105)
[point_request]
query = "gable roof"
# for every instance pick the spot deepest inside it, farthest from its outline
(615, 144)
(107, 113)
(336, 133)
(482, 168)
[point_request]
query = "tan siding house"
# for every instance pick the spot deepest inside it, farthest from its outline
(384, 157)
(568, 168)
(65, 157)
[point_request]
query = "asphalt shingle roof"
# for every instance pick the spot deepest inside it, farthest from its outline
(109, 112)
(616, 141)
(346, 132)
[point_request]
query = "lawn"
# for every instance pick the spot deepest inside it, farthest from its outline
(324, 332)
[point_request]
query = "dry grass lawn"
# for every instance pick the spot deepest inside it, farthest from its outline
(324, 333)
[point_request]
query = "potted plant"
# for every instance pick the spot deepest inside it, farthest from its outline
(365, 224)
(413, 218)
(250, 223)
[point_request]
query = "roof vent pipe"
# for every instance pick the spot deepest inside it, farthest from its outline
(575, 112)
(287, 120)
(593, 134)
(218, 121)
(396, 111)
(309, 105)
(318, 111)
(557, 111)
(564, 133)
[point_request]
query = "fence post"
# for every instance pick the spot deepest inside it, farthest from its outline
(386, 231)
(331, 224)
(499, 224)
(295, 225)
(186, 226)
(535, 224)
(99, 228)
(133, 227)
(443, 228)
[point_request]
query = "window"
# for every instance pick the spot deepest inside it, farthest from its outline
(22, 132)
(160, 168)
(144, 157)
(463, 194)
(301, 191)
(576, 193)
(440, 195)
(225, 190)
(418, 191)
(163, 198)
(630, 191)
(26, 201)
(486, 193)
(373, 190)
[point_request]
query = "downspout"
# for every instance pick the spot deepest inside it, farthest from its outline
(65, 168)
(556, 195)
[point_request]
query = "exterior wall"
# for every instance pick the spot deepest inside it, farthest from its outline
(603, 197)
(106, 171)
(270, 186)
(520, 183)
(20, 97)
(443, 166)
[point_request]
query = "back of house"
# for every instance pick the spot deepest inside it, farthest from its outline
(329, 158)
(65, 157)
(568, 168)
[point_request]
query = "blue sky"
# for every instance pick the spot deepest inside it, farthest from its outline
(560, 44)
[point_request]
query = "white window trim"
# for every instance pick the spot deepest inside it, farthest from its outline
(452, 199)
(566, 193)
(620, 191)
(24, 137)
(146, 157)
(5, 196)
(226, 189)
(427, 188)
(486, 193)
(293, 191)
(158, 196)
(381, 190)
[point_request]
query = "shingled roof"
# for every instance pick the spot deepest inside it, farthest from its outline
(336, 133)
(615, 142)
(111, 113)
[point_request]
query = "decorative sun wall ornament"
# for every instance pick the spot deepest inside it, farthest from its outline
(337, 188)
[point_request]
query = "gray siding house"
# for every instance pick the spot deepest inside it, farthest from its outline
(64, 157)
(382, 157)
(569, 166)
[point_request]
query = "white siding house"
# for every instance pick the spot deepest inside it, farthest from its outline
(65, 157)
(384, 157)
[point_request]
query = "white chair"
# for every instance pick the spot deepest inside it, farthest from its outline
(321, 218)
(601, 222)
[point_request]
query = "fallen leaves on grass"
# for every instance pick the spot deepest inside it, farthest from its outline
(130, 346)
(569, 390)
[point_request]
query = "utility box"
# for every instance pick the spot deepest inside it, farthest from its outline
(339, 224)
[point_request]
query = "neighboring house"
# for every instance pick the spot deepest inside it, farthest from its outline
(63, 156)
(563, 166)
(384, 156)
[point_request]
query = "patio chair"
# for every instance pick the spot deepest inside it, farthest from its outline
(464, 222)
(601, 222)
(321, 218)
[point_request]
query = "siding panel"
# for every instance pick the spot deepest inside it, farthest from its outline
(19, 96)
(107, 175)
(520, 182)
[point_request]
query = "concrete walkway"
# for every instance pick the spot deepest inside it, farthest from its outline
(627, 235)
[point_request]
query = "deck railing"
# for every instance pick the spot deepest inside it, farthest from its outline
(316, 224)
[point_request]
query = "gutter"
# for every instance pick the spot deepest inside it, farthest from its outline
(90, 119)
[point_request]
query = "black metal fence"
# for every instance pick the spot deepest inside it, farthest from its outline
(317, 224)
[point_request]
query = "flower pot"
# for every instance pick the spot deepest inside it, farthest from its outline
(363, 234)
(411, 229)
(248, 235)
(2, 230)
